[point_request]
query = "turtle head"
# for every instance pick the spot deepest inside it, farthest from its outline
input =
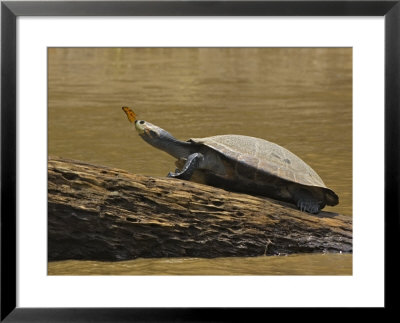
(158, 137)
(149, 131)
(161, 139)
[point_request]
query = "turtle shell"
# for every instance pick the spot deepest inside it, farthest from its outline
(263, 156)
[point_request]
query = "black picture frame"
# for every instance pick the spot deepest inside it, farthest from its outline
(10, 10)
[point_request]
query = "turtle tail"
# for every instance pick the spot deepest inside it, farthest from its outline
(331, 198)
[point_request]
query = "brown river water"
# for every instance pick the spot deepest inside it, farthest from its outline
(299, 98)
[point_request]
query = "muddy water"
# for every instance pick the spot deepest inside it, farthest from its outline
(300, 98)
(311, 264)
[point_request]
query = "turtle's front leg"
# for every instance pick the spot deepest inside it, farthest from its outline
(192, 163)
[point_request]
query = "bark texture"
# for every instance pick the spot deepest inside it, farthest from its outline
(100, 213)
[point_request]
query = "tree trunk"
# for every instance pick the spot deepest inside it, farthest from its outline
(100, 213)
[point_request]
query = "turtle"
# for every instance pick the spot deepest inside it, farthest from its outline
(242, 164)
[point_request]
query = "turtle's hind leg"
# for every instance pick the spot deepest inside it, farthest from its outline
(310, 206)
(307, 202)
(193, 162)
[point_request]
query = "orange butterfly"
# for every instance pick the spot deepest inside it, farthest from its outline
(130, 114)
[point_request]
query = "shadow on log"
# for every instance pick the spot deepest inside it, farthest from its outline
(100, 213)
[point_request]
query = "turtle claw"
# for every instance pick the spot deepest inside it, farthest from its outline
(174, 175)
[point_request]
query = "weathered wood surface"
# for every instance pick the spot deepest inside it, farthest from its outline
(100, 213)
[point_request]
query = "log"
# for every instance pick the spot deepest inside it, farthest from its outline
(108, 214)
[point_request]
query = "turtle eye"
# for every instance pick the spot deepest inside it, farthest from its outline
(141, 122)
